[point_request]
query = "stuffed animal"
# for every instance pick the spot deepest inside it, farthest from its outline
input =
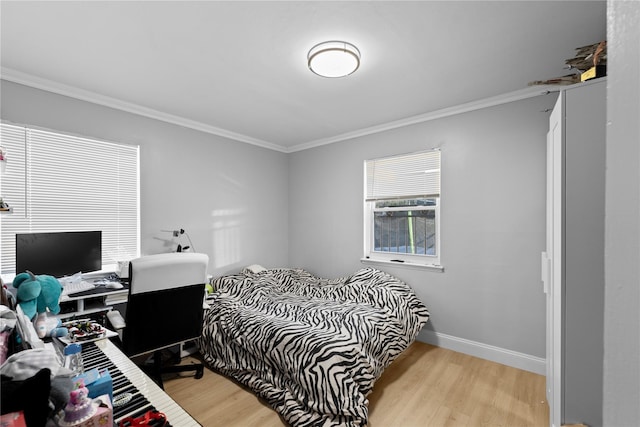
(48, 325)
(37, 294)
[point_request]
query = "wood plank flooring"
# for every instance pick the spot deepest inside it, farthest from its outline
(425, 386)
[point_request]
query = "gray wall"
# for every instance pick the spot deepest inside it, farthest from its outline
(493, 219)
(584, 172)
(243, 204)
(230, 197)
(621, 401)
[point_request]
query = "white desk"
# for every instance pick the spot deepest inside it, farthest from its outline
(91, 301)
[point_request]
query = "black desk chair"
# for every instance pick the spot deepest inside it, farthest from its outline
(165, 307)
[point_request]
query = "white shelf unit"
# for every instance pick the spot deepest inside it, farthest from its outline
(90, 304)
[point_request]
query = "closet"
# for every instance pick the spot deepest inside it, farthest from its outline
(573, 263)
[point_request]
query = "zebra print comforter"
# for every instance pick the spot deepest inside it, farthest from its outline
(312, 348)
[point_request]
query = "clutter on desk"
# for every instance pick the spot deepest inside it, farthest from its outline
(48, 325)
(27, 363)
(83, 330)
(151, 417)
(37, 386)
(34, 381)
(29, 396)
(25, 336)
(82, 411)
(73, 358)
(13, 419)
(98, 381)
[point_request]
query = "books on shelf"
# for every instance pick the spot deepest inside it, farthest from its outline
(589, 56)
(564, 80)
(594, 72)
(116, 298)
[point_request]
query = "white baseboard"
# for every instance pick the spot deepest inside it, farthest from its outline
(511, 358)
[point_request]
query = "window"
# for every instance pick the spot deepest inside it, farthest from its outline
(402, 209)
(56, 182)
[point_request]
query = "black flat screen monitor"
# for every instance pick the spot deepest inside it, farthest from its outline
(59, 254)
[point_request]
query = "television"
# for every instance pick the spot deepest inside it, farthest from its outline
(59, 254)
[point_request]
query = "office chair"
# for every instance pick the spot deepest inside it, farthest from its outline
(165, 307)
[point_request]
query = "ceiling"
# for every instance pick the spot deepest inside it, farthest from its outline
(238, 69)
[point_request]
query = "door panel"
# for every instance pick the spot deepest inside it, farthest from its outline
(552, 261)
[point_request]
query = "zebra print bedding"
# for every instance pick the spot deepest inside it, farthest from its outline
(311, 347)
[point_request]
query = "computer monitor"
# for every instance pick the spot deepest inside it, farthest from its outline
(59, 254)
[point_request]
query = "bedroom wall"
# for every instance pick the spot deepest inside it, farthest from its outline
(489, 300)
(243, 204)
(621, 392)
(231, 198)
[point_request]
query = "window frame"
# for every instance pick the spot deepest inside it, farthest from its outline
(398, 258)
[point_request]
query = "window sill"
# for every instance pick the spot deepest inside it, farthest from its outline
(414, 265)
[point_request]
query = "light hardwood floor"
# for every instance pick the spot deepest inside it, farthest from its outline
(425, 386)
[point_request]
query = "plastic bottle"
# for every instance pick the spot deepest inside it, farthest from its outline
(73, 358)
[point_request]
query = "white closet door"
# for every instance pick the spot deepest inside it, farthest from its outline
(552, 261)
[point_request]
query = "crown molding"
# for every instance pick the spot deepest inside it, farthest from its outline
(529, 92)
(96, 98)
(84, 95)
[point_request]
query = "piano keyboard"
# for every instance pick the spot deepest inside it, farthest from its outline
(129, 378)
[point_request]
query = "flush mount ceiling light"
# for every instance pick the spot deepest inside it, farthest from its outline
(333, 59)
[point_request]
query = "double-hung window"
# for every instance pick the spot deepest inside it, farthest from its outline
(402, 209)
(55, 182)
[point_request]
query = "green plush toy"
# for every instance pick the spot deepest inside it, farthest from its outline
(36, 294)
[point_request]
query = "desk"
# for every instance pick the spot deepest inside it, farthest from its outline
(100, 300)
(91, 301)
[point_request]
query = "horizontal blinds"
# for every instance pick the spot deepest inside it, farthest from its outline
(66, 183)
(405, 176)
(12, 180)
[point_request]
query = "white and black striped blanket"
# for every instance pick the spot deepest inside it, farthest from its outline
(312, 348)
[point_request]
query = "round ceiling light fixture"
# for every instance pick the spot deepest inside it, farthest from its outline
(333, 59)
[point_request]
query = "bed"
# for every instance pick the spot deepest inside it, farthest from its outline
(312, 348)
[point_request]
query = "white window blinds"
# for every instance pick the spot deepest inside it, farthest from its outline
(58, 182)
(406, 176)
